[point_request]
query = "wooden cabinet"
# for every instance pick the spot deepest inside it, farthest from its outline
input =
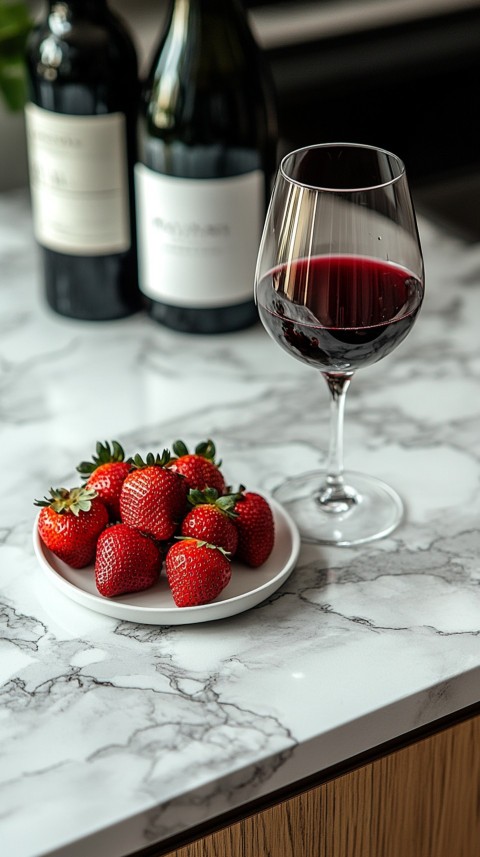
(420, 801)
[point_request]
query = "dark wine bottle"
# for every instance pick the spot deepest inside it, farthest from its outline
(81, 135)
(207, 140)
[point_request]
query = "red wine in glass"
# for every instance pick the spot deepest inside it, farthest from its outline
(339, 313)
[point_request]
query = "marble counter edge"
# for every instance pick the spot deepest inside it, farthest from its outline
(178, 819)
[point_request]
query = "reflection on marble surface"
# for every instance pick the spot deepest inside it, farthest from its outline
(115, 735)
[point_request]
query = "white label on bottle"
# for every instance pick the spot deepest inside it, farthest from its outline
(198, 238)
(78, 180)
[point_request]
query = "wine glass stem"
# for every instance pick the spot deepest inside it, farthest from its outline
(334, 496)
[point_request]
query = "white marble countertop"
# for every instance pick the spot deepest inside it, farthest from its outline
(114, 736)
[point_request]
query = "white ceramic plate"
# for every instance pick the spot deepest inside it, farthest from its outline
(247, 588)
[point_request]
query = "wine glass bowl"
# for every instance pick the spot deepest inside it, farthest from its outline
(339, 284)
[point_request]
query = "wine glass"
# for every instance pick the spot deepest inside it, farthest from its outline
(338, 285)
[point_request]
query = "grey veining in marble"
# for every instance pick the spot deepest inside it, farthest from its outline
(115, 735)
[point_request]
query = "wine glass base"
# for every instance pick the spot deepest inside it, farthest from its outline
(377, 512)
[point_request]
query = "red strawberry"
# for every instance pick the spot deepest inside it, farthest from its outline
(197, 572)
(70, 523)
(106, 473)
(211, 519)
(153, 498)
(126, 561)
(256, 532)
(199, 468)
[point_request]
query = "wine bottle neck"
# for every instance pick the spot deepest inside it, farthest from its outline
(204, 5)
(86, 8)
(183, 12)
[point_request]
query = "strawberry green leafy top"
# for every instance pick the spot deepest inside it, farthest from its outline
(205, 449)
(106, 454)
(211, 497)
(62, 500)
(152, 460)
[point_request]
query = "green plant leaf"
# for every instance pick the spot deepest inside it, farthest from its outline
(15, 23)
(13, 83)
(14, 19)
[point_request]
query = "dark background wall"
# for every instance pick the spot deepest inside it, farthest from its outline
(407, 79)
(411, 86)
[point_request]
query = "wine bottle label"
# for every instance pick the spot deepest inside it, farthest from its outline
(198, 238)
(78, 181)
